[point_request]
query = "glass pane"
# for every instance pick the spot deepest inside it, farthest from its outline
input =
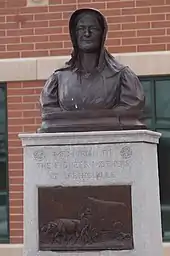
(3, 216)
(2, 146)
(148, 101)
(3, 163)
(4, 236)
(2, 128)
(2, 110)
(164, 177)
(2, 175)
(2, 95)
(2, 114)
(162, 97)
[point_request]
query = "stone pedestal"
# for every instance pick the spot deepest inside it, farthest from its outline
(123, 161)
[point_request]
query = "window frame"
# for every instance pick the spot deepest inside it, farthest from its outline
(153, 126)
(6, 238)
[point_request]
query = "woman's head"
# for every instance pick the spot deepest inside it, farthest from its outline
(87, 30)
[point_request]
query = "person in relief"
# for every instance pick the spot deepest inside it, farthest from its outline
(93, 91)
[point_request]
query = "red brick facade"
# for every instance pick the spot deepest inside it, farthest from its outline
(134, 25)
(23, 116)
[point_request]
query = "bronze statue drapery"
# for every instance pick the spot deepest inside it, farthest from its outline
(93, 91)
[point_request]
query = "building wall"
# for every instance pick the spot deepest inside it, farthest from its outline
(23, 116)
(134, 25)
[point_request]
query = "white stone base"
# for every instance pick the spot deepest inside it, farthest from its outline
(133, 161)
(17, 249)
(11, 249)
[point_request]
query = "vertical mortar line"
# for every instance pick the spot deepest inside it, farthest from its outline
(34, 30)
(48, 36)
(105, 5)
(135, 3)
(5, 31)
(166, 32)
(121, 27)
(150, 24)
(135, 33)
(135, 23)
(19, 25)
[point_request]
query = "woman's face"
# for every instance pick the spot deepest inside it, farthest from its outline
(89, 33)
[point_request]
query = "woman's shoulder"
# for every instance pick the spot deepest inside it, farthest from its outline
(60, 72)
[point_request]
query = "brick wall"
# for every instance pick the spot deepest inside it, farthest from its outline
(134, 25)
(23, 116)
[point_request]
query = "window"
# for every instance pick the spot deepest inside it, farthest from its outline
(4, 232)
(157, 91)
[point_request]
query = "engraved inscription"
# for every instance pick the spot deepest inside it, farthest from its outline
(82, 153)
(81, 162)
(81, 165)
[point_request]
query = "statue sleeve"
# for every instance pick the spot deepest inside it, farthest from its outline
(49, 96)
(131, 94)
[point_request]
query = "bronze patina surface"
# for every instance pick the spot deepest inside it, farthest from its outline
(93, 91)
(85, 218)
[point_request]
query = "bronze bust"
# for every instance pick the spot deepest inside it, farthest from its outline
(93, 91)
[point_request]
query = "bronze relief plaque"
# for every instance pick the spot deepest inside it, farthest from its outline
(85, 218)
